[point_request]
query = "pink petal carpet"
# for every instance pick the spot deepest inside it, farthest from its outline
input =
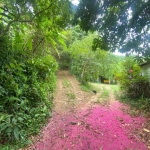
(96, 128)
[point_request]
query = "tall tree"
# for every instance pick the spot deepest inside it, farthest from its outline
(122, 24)
(88, 65)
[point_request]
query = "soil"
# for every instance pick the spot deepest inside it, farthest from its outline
(83, 121)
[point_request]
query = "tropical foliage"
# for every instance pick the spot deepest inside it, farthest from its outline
(134, 87)
(29, 31)
(122, 24)
(89, 65)
(36, 39)
(132, 82)
(69, 36)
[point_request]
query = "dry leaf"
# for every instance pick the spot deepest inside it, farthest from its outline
(73, 123)
(79, 123)
(146, 130)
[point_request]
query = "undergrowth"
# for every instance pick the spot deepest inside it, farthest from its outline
(104, 94)
(66, 83)
(88, 87)
(141, 103)
(135, 87)
(9, 147)
(71, 95)
(26, 81)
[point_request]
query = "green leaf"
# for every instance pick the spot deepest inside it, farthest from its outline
(16, 133)
(12, 65)
(3, 126)
(14, 120)
(20, 119)
(36, 115)
(9, 130)
(2, 117)
(29, 44)
(12, 99)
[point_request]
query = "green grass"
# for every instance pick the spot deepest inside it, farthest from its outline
(115, 87)
(103, 99)
(105, 90)
(71, 95)
(66, 83)
(8, 147)
(90, 87)
(86, 87)
(104, 93)
(116, 90)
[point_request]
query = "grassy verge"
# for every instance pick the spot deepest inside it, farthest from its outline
(8, 147)
(104, 93)
(141, 104)
(86, 87)
(70, 94)
(90, 87)
(103, 99)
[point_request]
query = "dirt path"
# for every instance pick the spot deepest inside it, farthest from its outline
(69, 96)
(86, 121)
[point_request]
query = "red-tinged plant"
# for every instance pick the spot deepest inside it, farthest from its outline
(131, 71)
(131, 82)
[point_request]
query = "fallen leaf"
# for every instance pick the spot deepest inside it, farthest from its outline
(79, 123)
(73, 123)
(87, 126)
(146, 130)
(98, 132)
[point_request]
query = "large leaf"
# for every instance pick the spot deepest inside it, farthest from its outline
(29, 43)
(16, 133)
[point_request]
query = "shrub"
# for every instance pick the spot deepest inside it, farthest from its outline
(133, 84)
(25, 83)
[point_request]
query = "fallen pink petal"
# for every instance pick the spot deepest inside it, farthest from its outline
(93, 127)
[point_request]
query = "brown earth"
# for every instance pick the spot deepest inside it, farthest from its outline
(69, 96)
(64, 100)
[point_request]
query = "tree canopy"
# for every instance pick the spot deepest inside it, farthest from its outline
(121, 24)
(90, 65)
(34, 12)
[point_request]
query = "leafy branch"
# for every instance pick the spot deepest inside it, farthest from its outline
(23, 21)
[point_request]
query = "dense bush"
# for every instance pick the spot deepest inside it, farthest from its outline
(29, 32)
(132, 83)
(25, 85)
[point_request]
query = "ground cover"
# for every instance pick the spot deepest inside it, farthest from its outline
(88, 121)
